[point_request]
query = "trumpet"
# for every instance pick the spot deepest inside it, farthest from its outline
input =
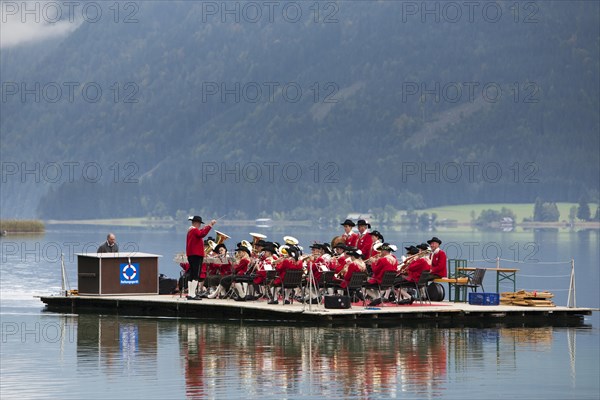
(306, 257)
(342, 273)
(372, 259)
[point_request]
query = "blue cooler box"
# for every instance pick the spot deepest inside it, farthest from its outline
(484, 299)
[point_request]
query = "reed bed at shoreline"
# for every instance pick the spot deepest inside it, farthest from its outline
(22, 226)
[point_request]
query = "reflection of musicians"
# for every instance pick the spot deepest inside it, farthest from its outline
(365, 240)
(110, 246)
(350, 238)
(438, 259)
(195, 253)
(192, 347)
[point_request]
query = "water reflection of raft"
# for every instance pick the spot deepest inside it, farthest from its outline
(527, 299)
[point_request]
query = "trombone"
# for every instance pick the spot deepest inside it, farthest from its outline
(404, 264)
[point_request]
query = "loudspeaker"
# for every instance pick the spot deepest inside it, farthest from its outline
(337, 302)
(436, 292)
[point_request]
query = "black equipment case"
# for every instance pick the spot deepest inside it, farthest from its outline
(337, 302)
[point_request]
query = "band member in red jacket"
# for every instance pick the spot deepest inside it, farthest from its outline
(338, 261)
(222, 266)
(385, 262)
(259, 265)
(288, 263)
(317, 263)
(195, 252)
(365, 240)
(350, 237)
(352, 265)
(377, 241)
(438, 259)
(241, 276)
(412, 274)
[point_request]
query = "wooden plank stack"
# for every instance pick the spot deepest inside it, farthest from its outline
(527, 299)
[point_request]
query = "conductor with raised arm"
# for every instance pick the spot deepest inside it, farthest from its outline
(110, 246)
(195, 252)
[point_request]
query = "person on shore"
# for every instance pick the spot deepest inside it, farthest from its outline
(110, 246)
(195, 253)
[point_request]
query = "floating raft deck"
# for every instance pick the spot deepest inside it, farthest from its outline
(438, 314)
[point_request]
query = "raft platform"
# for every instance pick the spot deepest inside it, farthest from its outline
(437, 314)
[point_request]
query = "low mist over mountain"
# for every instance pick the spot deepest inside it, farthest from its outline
(302, 109)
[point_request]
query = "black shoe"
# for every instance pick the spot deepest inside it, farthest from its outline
(411, 300)
(404, 301)
(189, 297)
(272, 302)
(287, 302)
(375, 302)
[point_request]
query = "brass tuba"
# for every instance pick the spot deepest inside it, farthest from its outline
(291, 241)
(256, 237)
(246, 244)
(337, 240)
(221, 237)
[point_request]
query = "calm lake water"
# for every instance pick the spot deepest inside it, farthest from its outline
(49, 355)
